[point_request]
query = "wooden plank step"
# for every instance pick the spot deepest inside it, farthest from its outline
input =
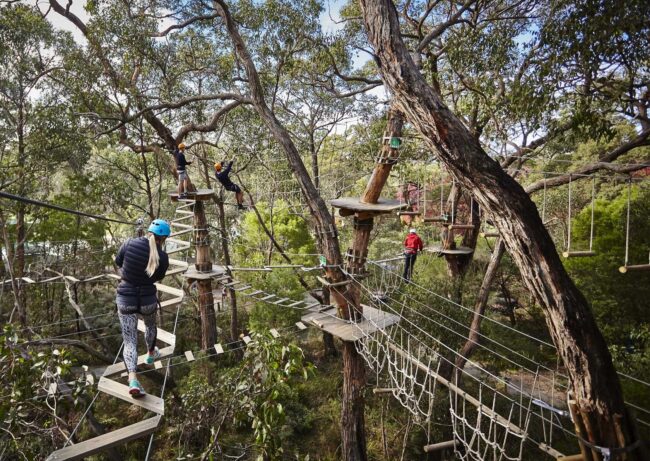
(28, 280)
(253, 293)
(175, 270)
(274, 333)
(180, 232)
(170, 290)
(162, 335)
(182, 210)
(301, 326)
(113, 276)
(178, 242)
(266, 298)
(178, 262)
(231, 284)
(103, 442)
(189, 356)
(280, 301)
(119, 367)
(172, 302)
(182, 225)
(121, 391)
(218, 348)
(244, 288)
(295, 303)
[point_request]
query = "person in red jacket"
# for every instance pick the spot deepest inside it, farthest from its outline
(412, 246)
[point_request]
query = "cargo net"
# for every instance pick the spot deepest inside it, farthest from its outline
(405, 367)
(480, 432)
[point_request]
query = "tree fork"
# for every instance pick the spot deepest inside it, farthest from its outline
(574, 331)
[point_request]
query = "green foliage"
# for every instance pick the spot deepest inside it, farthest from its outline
(265, 389)
(292, 234)
(26, 409)
(619, 300)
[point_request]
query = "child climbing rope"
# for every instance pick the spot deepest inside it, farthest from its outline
(223, 176)
(181, 163)
(412, 245)
(143, 262)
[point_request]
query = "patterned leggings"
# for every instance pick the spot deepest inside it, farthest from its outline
(129, 321)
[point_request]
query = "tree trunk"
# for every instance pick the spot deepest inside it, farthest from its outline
(572, 326)
(353, 425)
(473, 338)
(204, 264)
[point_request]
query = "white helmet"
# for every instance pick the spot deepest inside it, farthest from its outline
(412, 231)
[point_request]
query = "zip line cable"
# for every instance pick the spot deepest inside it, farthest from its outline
(30, 201)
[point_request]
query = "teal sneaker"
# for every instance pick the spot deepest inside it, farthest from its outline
(153, 355)
(135, 389)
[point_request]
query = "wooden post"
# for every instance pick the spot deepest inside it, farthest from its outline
(204, 264)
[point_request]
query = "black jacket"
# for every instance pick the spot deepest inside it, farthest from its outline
(181, 161)
(223, 177)
(133, 258)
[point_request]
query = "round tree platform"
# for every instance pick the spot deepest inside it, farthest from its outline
(455, 251)
(192, 273)
(200, 194)
(328, 321)
(352, 205)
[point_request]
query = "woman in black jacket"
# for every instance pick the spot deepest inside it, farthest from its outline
(143, 263)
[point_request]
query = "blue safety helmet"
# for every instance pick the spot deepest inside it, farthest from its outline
(160, 227)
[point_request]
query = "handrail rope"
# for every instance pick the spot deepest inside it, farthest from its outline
(60, 208)
(496, 391)
(444, 298)
(485, 317)
(69, 438)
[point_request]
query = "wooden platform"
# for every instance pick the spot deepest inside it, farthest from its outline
(373, 320)
(103, 442)
(456, 251)
(200, 194)
(192, 273)
(352, 205)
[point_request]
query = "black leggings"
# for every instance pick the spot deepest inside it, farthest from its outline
(129, 321)
(409, 262)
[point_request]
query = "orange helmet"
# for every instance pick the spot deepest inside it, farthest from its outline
(181, 146)
(218, 166)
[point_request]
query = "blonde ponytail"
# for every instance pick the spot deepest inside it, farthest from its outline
(154, 259)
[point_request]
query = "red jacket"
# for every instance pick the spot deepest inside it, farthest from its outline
(413, 243)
